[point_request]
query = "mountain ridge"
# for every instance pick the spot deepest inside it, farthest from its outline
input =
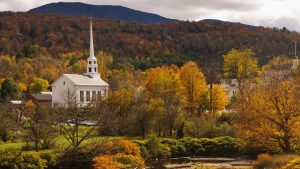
(110, 12)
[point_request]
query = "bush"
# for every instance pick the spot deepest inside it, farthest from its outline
(265, 161)
(220, 146)
(129, 161)
(295, 164)
(193, 146)
(104, 162)
(177, 148)
(226, 146)
(22, 161)
(156, 149)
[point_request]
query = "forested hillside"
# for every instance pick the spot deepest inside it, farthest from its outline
(143, 45)
(109, 12)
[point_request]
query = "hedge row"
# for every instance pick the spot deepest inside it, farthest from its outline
(166, 148)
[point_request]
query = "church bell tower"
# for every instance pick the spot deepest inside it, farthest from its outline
(92, 65)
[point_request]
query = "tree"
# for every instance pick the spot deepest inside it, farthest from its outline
(157, 108)
(241, 65)
(74, 114)
(219, 98)
(194, 84)
(164, 83)
(105, 60)
(41, 124)
(9, 90)
(118, 108)
(268, 114)
(8, 119)
(39, 85)
(212, 74)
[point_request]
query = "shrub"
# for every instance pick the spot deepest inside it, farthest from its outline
(121, 154)
(129, 161)
(177, 148)
(265, 161)
(50, 157)
(105, 162)
(226, 146)
(156, 149)
(220, 146)
(126, 147)
(22, 161)
(294, 164)
(193, 146)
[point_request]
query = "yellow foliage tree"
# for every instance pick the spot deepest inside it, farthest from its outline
(219, 98)
(240, 65)
(269, 115)
(194, 84)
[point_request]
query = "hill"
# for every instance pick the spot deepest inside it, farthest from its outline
(100, 11)
(142, 45)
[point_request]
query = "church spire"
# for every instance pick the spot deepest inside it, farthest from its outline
(92, 65)
(91, 40)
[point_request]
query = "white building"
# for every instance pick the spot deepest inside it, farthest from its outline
(84, 88)
(231, 87)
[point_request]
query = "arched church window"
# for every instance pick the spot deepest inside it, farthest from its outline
(90, 69)
(95, 69)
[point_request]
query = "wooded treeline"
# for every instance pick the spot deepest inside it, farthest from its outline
(143, 45)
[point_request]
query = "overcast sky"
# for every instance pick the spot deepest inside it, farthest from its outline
(271, 13)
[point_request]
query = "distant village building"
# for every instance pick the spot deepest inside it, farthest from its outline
(44, 98)
(84, 87)
(230, 86)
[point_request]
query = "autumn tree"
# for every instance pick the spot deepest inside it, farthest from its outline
(270, 115)
(219, 98)
(105, 60)
(39, 85)
(212, 74)
(240, 65)
(194, 84)
(164, 83)
(41, 124)
(118, 106)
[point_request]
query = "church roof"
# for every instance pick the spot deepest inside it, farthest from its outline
(84, 80)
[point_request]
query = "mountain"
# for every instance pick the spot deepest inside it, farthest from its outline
(142, 45)
(100, 11)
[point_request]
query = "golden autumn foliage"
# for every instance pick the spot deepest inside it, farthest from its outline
(240, 64)
(219, 98)
(269, 115)
(119, 154)
(104, 162)
(194, 85)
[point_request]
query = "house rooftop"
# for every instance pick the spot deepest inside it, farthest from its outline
(85, 80)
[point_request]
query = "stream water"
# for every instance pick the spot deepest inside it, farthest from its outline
(193, 162)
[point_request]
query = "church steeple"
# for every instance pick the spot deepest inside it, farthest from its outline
(92, 65)
(295, 59)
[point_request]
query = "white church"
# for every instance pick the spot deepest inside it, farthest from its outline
(84, 88)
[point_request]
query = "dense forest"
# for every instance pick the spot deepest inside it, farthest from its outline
(142, 45)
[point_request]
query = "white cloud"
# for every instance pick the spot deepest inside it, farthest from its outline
(271, 13)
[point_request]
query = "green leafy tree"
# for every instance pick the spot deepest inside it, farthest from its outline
(9, 90)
